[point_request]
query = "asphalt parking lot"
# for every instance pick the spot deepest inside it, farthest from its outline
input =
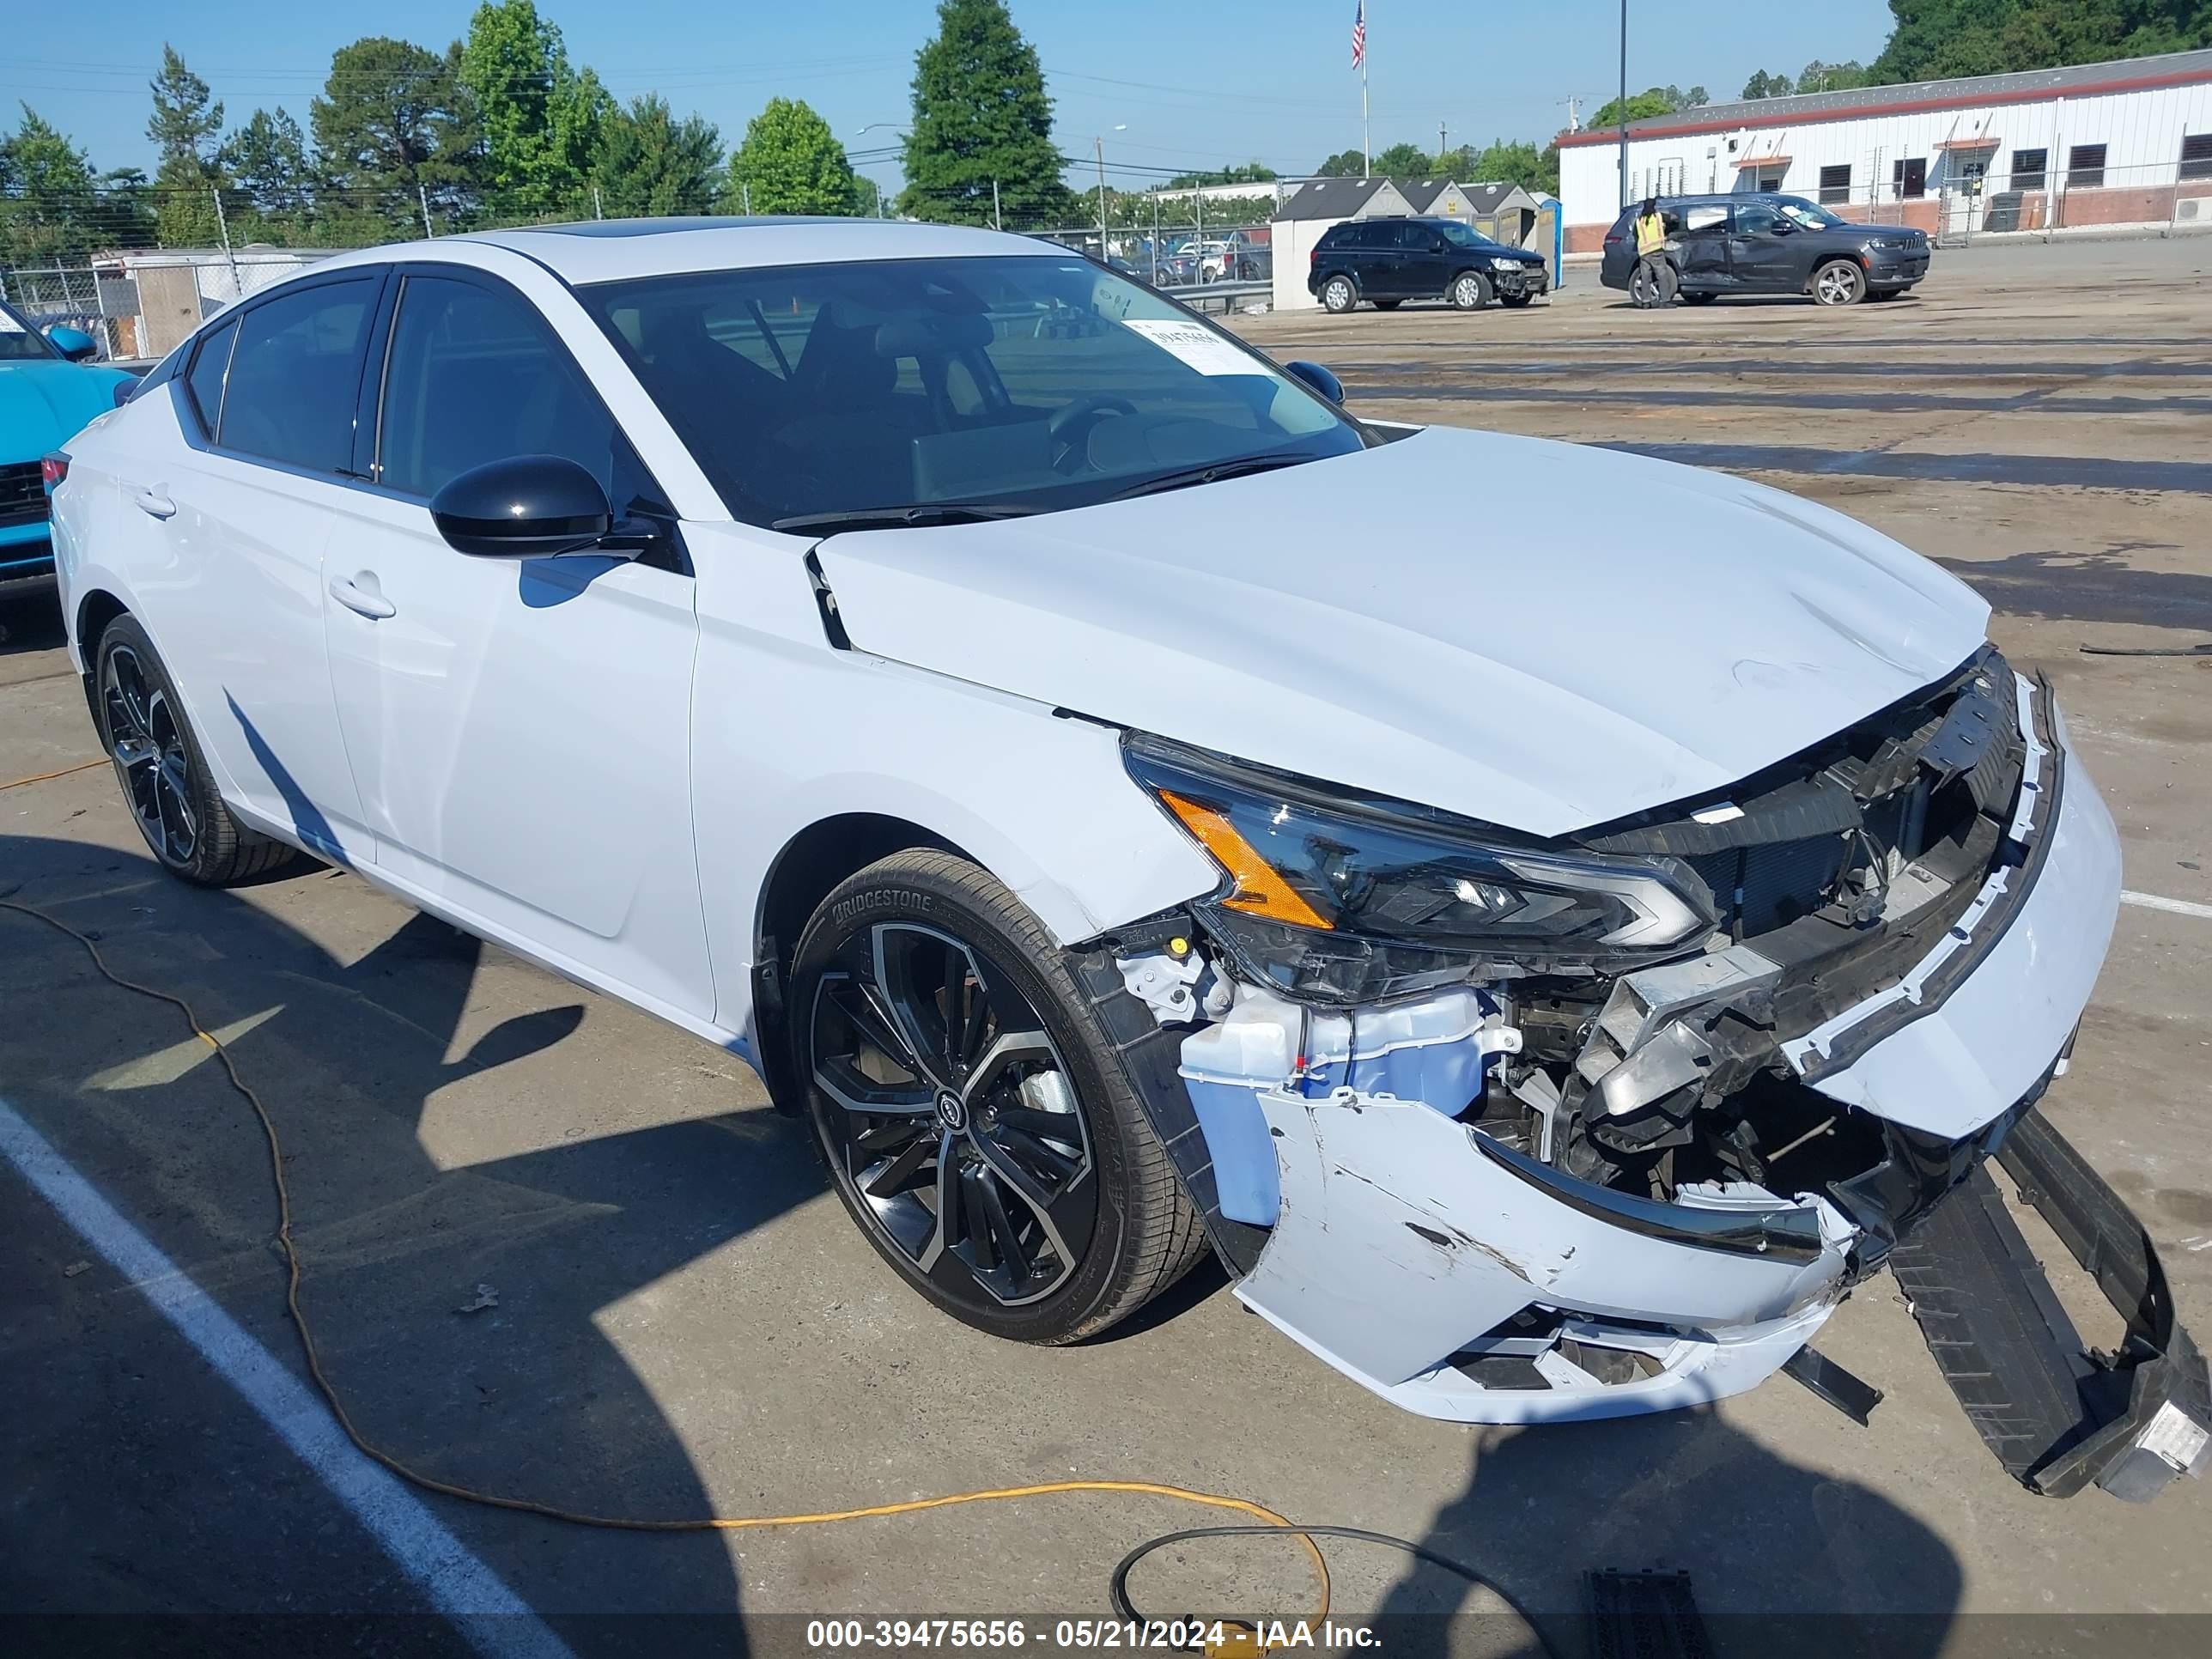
(556, 1250)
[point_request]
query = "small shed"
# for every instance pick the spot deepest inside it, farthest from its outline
(154, 297)
(1309, 211)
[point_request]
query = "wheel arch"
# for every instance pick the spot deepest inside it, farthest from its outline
(1842, 256)
(95, 612)
(811, 863)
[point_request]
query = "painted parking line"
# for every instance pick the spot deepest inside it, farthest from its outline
(495, 1620)
(2174, 907)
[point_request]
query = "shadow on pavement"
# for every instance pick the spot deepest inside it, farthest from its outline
(525, 1396)
(1780, 1558)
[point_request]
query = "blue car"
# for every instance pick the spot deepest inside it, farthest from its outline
(48, 394)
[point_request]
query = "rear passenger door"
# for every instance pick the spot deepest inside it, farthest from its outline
(239, 513)
(1378, 260)
(520, 729)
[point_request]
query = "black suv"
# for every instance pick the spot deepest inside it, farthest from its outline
(1390, 261)
(1761, 244)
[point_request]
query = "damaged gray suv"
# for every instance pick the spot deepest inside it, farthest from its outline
(1053, 745)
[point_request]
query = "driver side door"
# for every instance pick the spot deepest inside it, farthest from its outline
(519, 730)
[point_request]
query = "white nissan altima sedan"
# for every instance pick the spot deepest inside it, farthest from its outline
(1550, 964)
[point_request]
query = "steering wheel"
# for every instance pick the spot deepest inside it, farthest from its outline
(1071, 426)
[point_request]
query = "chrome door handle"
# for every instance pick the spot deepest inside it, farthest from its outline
(348, 592)
(155, 500)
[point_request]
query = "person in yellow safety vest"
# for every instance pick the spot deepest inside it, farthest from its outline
(1660, 281)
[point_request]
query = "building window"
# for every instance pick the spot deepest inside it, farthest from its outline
(2030, 168)
(2085, 167)
(1769, 183)
(1910, 178)
(1835, 183)
(2196, 156)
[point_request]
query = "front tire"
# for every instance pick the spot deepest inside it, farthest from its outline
(972, 1115)
(166, 786)
(1839, 282)
(1338, 296)
(1470, 291)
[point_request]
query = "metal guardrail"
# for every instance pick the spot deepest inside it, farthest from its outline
(1218, 296)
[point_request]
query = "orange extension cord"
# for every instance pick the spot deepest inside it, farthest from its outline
(553, 1512)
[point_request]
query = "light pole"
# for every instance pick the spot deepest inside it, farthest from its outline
(880, 126)
(1623, 103)
(1098, 150)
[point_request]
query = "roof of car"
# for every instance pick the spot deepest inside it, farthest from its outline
(612, 250)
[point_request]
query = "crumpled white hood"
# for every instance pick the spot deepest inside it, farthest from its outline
(1538, 634)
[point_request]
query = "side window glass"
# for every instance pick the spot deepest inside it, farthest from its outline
(203, 385)
(1751, 220)
(1703, 218)
(294, 374)
(474, 375)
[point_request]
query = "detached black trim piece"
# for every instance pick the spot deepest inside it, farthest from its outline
(2056, 1415)
(1786, 1233)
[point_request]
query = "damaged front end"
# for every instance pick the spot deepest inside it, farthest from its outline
(1519, 1130)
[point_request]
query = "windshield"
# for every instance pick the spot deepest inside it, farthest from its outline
(19, 341)
(1026, 382)
(1812, 217)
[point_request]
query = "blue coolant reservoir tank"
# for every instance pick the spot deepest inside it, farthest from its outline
(1432, 1051)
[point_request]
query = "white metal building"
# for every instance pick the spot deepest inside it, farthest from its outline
(2118, 143)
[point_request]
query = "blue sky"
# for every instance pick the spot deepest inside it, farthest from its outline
(1193, 84)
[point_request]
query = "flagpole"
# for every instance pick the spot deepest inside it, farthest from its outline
(1366, 155)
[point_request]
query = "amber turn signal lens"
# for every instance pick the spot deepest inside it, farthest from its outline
(1259, 891)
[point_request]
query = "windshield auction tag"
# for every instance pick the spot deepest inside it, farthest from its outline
(1202, 348)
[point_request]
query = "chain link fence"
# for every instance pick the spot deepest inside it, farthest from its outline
(96, 263)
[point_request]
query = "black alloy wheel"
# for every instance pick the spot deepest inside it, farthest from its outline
(973, 1121)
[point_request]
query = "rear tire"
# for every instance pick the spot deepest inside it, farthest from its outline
(167, 786)
(1653, 284)
(1338, 296)
(1838, 283)
(972, 1113)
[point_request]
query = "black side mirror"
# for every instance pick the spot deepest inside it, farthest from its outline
(1316, 379)
(526, 506)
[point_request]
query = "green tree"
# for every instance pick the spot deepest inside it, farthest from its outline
(49, 204)
(184, 128)
(650, 164)
(1933, 40)
(186, 120)
(1344, 164)
(1763, 85)
(1248, 173)
(1401, 161)
(790, 162)
(1653, 101)
(1832, 78)
(982, 119)
(393, 120)
(270, 176)
(1511, 161)
(540, 119)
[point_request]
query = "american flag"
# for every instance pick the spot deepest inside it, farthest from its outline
(1359, 35)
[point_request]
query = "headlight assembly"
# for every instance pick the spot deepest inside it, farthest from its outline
(1343, 899)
